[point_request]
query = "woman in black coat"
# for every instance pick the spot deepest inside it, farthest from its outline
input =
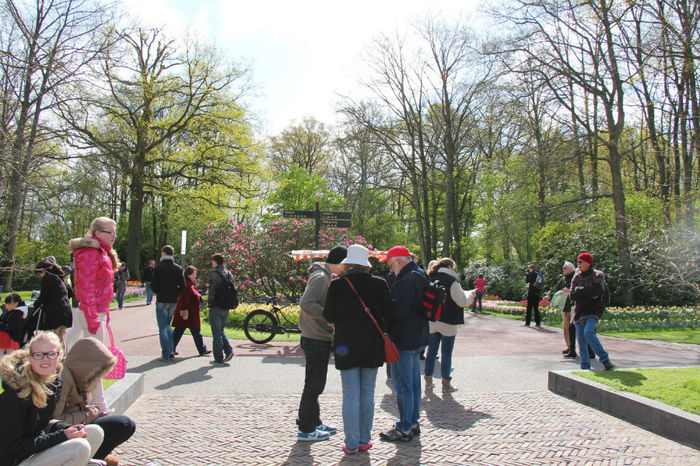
(358, 344)
(55, 298)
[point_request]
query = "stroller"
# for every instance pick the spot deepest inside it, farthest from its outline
(31, 324)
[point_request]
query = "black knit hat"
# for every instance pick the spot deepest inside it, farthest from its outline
(337, 254)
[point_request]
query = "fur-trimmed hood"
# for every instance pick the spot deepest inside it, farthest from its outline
(88, 362)
(11, 369)
(77, 243)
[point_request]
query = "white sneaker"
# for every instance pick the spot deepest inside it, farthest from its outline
(313, 436)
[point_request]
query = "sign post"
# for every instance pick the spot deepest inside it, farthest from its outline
(321, 218)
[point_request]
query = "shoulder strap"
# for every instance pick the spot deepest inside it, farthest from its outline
(422, 277)
(364, 306)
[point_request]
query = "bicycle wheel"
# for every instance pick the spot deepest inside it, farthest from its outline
(259, 326)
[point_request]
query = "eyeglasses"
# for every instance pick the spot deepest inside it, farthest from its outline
(38, 356)
(113, 233)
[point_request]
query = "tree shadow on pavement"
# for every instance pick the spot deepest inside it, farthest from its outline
(198, 375)
(145, 367)
(448, 413)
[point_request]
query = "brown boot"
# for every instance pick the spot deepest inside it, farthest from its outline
(111, 460)
(447, 386)
(429, 382)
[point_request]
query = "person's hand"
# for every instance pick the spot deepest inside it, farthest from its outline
(565, 290)
(184, 314)
(77, 431)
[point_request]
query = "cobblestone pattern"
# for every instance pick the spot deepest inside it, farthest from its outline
(517, 428)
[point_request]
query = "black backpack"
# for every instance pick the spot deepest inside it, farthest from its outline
(228, 299)
(539, 282)
(433, 298)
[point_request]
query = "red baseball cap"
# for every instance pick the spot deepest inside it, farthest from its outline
(396, 251)
(585, 257)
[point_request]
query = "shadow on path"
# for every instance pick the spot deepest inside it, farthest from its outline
(198, 375)
(447, 413)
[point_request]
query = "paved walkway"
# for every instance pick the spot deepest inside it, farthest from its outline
(196, 413)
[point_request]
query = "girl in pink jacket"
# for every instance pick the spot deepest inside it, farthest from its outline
(93, 279)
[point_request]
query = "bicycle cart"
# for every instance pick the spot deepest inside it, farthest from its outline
(261, 325)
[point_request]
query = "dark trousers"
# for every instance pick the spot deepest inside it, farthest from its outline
(317, 353)
(196, 336)
(533, 302)
(117, 429)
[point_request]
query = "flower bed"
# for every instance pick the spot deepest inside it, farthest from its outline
(237, 316)
(629, 319)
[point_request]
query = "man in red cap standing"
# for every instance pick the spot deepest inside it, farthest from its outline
(409, 331)
(589, 292)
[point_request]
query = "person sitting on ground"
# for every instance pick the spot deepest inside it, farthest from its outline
(11, 323)
(32, 386)
(86, 364)
(187, 313)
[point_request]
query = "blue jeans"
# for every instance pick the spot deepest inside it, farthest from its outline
(477, 297)
(220, 344)
(448, 344)
(405, 374)
(164, 314)
(317, 354)
(120, 298)
(358, 405)
(149, 293)
(585, 334)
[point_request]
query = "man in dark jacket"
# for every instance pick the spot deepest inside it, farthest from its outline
(588, 291)
(218, 310)
(409, 331)
(167, 283)
(316, 337)
(146, 278)
(533, 296)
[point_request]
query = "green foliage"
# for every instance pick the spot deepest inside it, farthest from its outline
(506, 280)
(298, 190)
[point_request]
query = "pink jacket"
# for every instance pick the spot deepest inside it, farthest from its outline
(480, 285)
(93, 278)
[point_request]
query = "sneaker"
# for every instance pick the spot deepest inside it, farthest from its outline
(219, 363)
(365, 447)
(205, 352)
(608, 365)
(349, 451)
(570, 356)
(228, 357)
(566, 350)
(395, 435)
(327, 428)
(314, 436)
(415, 430)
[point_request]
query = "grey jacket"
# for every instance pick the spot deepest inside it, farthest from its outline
(311, 321)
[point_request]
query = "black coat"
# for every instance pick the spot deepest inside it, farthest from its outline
(22, 428)
(12, 323)
(55, 297)
(357, 342)
(167, 281)
(451, 313)
(147, 274)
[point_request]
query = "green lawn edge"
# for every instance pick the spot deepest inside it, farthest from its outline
(678, 387)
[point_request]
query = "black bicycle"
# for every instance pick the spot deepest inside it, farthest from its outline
(261, 325)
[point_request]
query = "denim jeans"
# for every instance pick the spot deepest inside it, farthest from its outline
(448, 344)
(196, 336)
(358, 405)
(220, 344)
(149, 293)
(164, 314)
(317, 354)
(477, 297)
(585, 334)
(405, 375)
(120, 298)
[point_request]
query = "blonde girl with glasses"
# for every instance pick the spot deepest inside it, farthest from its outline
(32, 386)
(95, 263)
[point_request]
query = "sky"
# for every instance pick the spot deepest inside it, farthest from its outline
(302, 53)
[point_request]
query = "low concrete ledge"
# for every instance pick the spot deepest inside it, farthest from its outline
(124, 392)
(654, 416)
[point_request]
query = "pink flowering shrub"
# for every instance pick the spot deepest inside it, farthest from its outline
(257, 258)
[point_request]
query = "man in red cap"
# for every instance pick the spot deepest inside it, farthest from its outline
(409, 331)
(589, 292)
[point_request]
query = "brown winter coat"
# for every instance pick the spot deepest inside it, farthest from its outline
(86, 364)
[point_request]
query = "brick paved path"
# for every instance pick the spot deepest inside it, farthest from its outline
(530, 427)
(193, 413)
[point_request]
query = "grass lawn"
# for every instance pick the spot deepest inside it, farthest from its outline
(683, 335)
(675, 387)
(237, 334)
